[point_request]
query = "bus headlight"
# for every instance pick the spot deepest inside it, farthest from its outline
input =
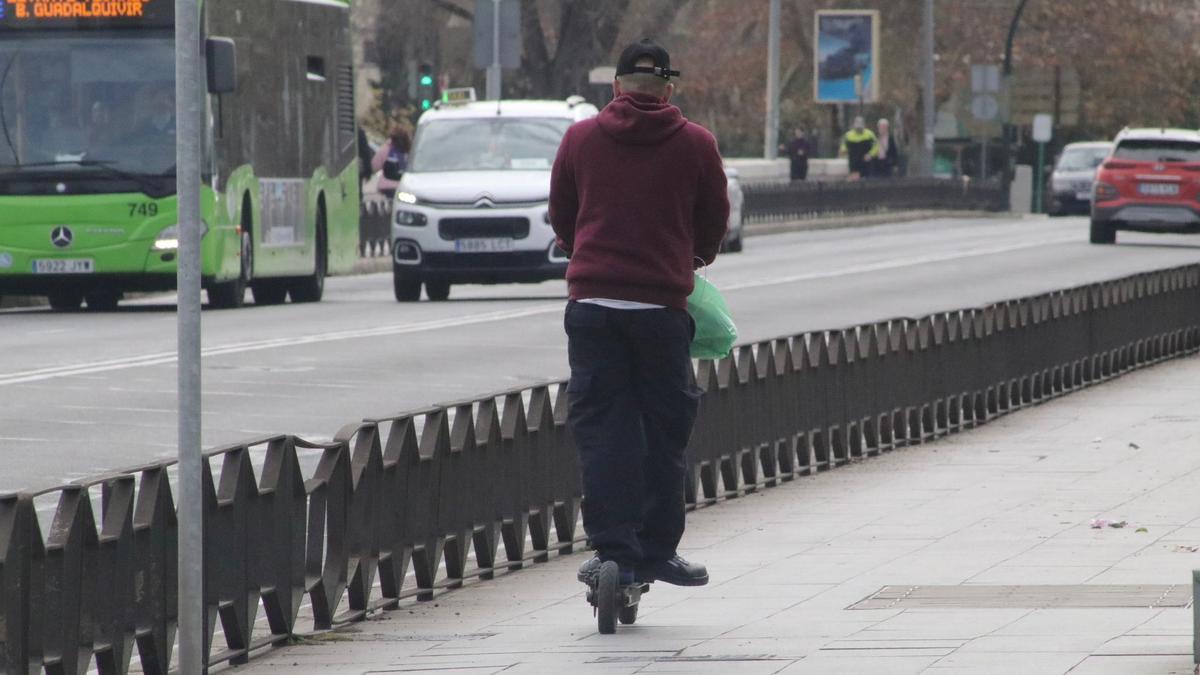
(168, 239)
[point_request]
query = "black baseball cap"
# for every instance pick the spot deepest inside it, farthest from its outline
(642, 49)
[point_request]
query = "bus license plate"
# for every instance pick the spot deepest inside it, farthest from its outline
(1158, 189)
(64, 266)
(484, 245)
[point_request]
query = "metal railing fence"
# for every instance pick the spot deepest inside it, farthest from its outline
(456, 484)
(374, 226)
(772, 202)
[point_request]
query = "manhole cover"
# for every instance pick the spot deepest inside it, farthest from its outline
(1035, 597)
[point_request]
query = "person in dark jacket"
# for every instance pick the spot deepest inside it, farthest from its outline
(887, 157)
(392, 159)
(637, 200)
(797, 151)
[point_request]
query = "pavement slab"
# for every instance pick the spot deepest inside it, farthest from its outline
(1012, 503)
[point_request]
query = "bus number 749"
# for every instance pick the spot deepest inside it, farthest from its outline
(144, 209)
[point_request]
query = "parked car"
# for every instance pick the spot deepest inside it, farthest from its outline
(472, 208)
(1150, 183)
(1073, 175)
(733, 238)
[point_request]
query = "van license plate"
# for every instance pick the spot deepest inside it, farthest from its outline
(1158, 189)
(64, 266)
(484, 245)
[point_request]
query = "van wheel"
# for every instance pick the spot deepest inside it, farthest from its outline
(437, 290)
(406, 286)
(66, 301)
(1102, 233)
(735, 245)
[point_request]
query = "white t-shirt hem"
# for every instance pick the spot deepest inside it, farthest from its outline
(621, 304)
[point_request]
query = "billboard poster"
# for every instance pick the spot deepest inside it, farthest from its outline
(847, 50)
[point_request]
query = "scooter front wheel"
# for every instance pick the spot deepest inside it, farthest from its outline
(608, 592)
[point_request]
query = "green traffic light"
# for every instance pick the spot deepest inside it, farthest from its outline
(426, 104)
(426, 80)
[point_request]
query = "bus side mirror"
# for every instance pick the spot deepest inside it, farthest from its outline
(221, 59)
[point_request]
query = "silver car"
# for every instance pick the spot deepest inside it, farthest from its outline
(733, 238)
(1070, 184)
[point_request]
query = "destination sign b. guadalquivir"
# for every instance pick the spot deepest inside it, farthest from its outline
(80, 13)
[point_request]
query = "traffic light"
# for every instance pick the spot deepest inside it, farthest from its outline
(425, 89)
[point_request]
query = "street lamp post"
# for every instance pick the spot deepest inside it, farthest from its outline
(1009, 128)
(771, 133)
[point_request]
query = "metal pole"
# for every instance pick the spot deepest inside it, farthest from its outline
(771, 134)
(983, 158)
(189, 98)
(1009, 130)
(1037, 183)
(927, 93)
(494, 73)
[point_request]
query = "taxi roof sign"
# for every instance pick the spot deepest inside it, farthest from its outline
(458, 96)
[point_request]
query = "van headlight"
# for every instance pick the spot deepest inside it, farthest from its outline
(406, 197)
(168, 239)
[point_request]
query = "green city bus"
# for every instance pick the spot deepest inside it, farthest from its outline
(87, 149)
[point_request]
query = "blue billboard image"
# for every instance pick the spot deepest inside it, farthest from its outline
(847, 45)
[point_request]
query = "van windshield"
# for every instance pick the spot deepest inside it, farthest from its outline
(528, 144)
(1155, 150)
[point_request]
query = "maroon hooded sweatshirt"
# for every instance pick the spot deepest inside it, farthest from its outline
(636, 195)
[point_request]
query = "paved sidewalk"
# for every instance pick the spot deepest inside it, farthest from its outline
(1009, 504)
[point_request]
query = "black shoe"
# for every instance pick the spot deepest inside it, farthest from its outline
(591, 567)
(676, 571)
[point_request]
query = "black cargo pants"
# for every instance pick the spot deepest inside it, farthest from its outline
(633, 401)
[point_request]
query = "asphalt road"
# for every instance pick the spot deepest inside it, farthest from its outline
(85, 393)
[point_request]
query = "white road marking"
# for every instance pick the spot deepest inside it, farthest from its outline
(162, 358)
(893, 264)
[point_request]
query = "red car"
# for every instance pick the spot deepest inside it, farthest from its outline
(1150, 183)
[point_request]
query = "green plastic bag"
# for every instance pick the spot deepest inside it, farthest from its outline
(715, 330)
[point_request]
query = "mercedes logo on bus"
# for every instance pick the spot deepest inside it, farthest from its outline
(61, 236)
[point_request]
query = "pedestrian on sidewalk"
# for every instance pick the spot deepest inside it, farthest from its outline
(859, 147)
(887, 157)
(392, 159)
(637, 200)
(797, 151)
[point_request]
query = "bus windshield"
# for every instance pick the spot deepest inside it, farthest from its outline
(82, 103)
(521, 144)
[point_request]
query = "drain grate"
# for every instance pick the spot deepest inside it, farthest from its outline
(1035, 597)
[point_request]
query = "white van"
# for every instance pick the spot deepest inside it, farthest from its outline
(472, 207)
